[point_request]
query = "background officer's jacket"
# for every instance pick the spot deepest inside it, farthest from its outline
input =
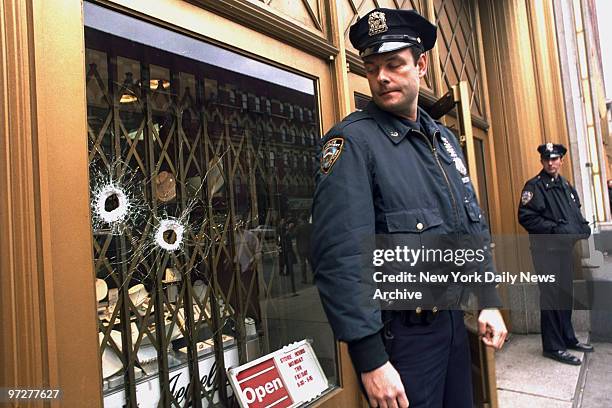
(389, 178)
(551, 206)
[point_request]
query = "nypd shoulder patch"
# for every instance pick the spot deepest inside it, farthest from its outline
(526, 197)
(330, 154)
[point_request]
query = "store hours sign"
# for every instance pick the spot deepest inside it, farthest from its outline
(283, 379)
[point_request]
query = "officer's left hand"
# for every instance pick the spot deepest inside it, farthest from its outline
(491, 328)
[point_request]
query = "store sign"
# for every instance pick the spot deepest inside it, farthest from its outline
(262, 386)
(283, 379)
(147, 392)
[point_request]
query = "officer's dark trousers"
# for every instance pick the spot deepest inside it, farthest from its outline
(433, 361)
(556, 300)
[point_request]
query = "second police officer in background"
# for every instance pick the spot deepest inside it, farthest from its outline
(392, 169)
(550, 211)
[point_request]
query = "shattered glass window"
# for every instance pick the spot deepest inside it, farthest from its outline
(201, 237)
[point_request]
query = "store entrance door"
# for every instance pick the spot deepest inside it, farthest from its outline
(473, 143)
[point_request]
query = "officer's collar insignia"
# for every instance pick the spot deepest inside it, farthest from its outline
(377, 23)
(549, 147)
(455, 157)
(331, 153)
(526, 197)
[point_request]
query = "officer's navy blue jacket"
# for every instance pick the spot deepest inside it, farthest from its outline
(551, 206)
(392, 176)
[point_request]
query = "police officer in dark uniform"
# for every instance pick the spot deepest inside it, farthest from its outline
(391, 169)
(550, 211)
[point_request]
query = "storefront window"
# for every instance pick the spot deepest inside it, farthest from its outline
(200, 236)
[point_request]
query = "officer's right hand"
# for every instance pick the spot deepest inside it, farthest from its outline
(384, 387)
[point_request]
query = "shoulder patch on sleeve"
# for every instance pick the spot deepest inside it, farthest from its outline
(526, 197)
(330, 153)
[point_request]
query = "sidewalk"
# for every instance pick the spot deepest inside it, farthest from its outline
(527, 379)
(595, 391)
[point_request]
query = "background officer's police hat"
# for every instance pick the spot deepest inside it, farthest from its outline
(551, 151)
(384, 30)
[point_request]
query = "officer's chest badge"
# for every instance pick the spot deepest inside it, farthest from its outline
(459, 165)
(331, 153)
(377, 23)
(526, 197)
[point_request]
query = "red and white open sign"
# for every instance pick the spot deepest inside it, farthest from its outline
(283, 379)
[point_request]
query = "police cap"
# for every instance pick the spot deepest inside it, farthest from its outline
(551, 150)
(384, 30)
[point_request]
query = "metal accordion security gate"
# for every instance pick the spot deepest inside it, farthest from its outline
(200, 181)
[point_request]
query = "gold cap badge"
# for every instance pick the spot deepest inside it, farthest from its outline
(377, 23)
